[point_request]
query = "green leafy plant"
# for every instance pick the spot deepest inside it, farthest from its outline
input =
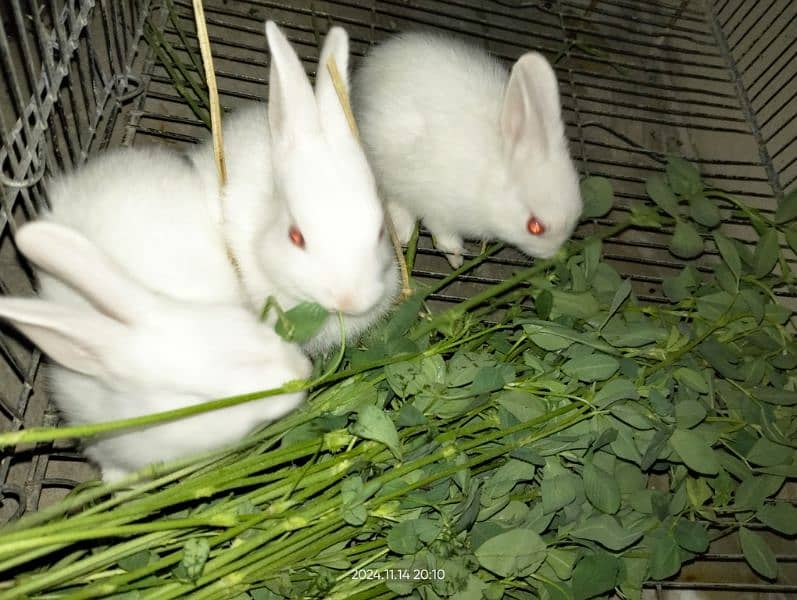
(550, 437)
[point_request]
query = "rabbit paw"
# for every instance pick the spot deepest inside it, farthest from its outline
(451, 245)
(403, 222)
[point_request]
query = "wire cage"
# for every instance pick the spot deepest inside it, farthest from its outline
(714, 81)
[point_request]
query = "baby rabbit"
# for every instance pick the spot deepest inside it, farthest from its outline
(471, 150)
(124, 351)
(301, 210)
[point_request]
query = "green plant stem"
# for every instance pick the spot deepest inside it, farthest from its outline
(412, 248)
(45, 579)
(196, 61)
(40, 434)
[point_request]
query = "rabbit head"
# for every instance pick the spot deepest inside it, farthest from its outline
(541, 200)
(147, 353)
(329, 243)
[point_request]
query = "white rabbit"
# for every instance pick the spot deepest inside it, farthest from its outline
(301, 209)
(124, 351)
(456, 141)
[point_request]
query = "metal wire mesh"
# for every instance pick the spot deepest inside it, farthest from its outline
(65, 67)
(712, 81)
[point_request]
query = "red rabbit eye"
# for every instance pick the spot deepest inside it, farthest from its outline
(382, 231)
(297, 239)
(535, 227)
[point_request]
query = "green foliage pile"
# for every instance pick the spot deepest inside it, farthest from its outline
(577, 442)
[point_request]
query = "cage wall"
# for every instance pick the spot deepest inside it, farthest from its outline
(66, 71)
(712, 81)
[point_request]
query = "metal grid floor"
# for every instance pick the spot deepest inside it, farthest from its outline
(714, 82)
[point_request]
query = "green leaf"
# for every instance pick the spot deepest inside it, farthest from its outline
(593, 248)
(633, 574)
(407, 537)
(728, 253)
(505, 477)
(551, 341)
(684, 177)
(767, 453)
(691, 536)
(634, 414)
(772, 395)
(659, 191)
(712, 307)
(494, 591)
(634, 335)
(695, 451)
(195, 555)
(407, 378)
(620, 296)
(561, 561)
(766, 253)
(704, 211)
(686, 241)
(598, 197)
(543, 304)
(513, 553)
(665, 559)
(758, 554)
(137, 560)
(791, 239)
(692, 379)
(352, 493)
(607, 531)
(654, 450)
(601, 488)
(558, 491)
(689, 413)
(581, 305)
(594, 367)
(409, 416)
(301, 322)
(780, 516)
(264, 594)
(681, 286)
(614, 390)
(645, 216)
(374, 424)
(595, 574)
(403, 317)
(697, 491)
(787, 208)
(753, 490)
(462, 367)
(491, 379)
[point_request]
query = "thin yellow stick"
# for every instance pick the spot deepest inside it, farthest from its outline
(337, 82)
(215, 125)
(213, 92)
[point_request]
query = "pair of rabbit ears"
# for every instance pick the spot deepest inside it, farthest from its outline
(531, 116)
(74, 336)
(294, 111)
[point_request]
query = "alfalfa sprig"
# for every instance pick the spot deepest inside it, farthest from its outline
(536, 423)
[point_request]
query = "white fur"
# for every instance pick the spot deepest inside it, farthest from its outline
(123, 351)
(456, 142)
(296, 162)
(147, 209)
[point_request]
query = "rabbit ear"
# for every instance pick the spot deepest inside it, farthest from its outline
(531, 114)
(76, 338)
(70, 257)
(333, 118)
(291, 105)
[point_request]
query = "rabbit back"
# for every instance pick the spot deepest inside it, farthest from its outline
(150, 211)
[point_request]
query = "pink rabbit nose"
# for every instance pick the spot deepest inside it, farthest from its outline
(345, 303)
(534, 226)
